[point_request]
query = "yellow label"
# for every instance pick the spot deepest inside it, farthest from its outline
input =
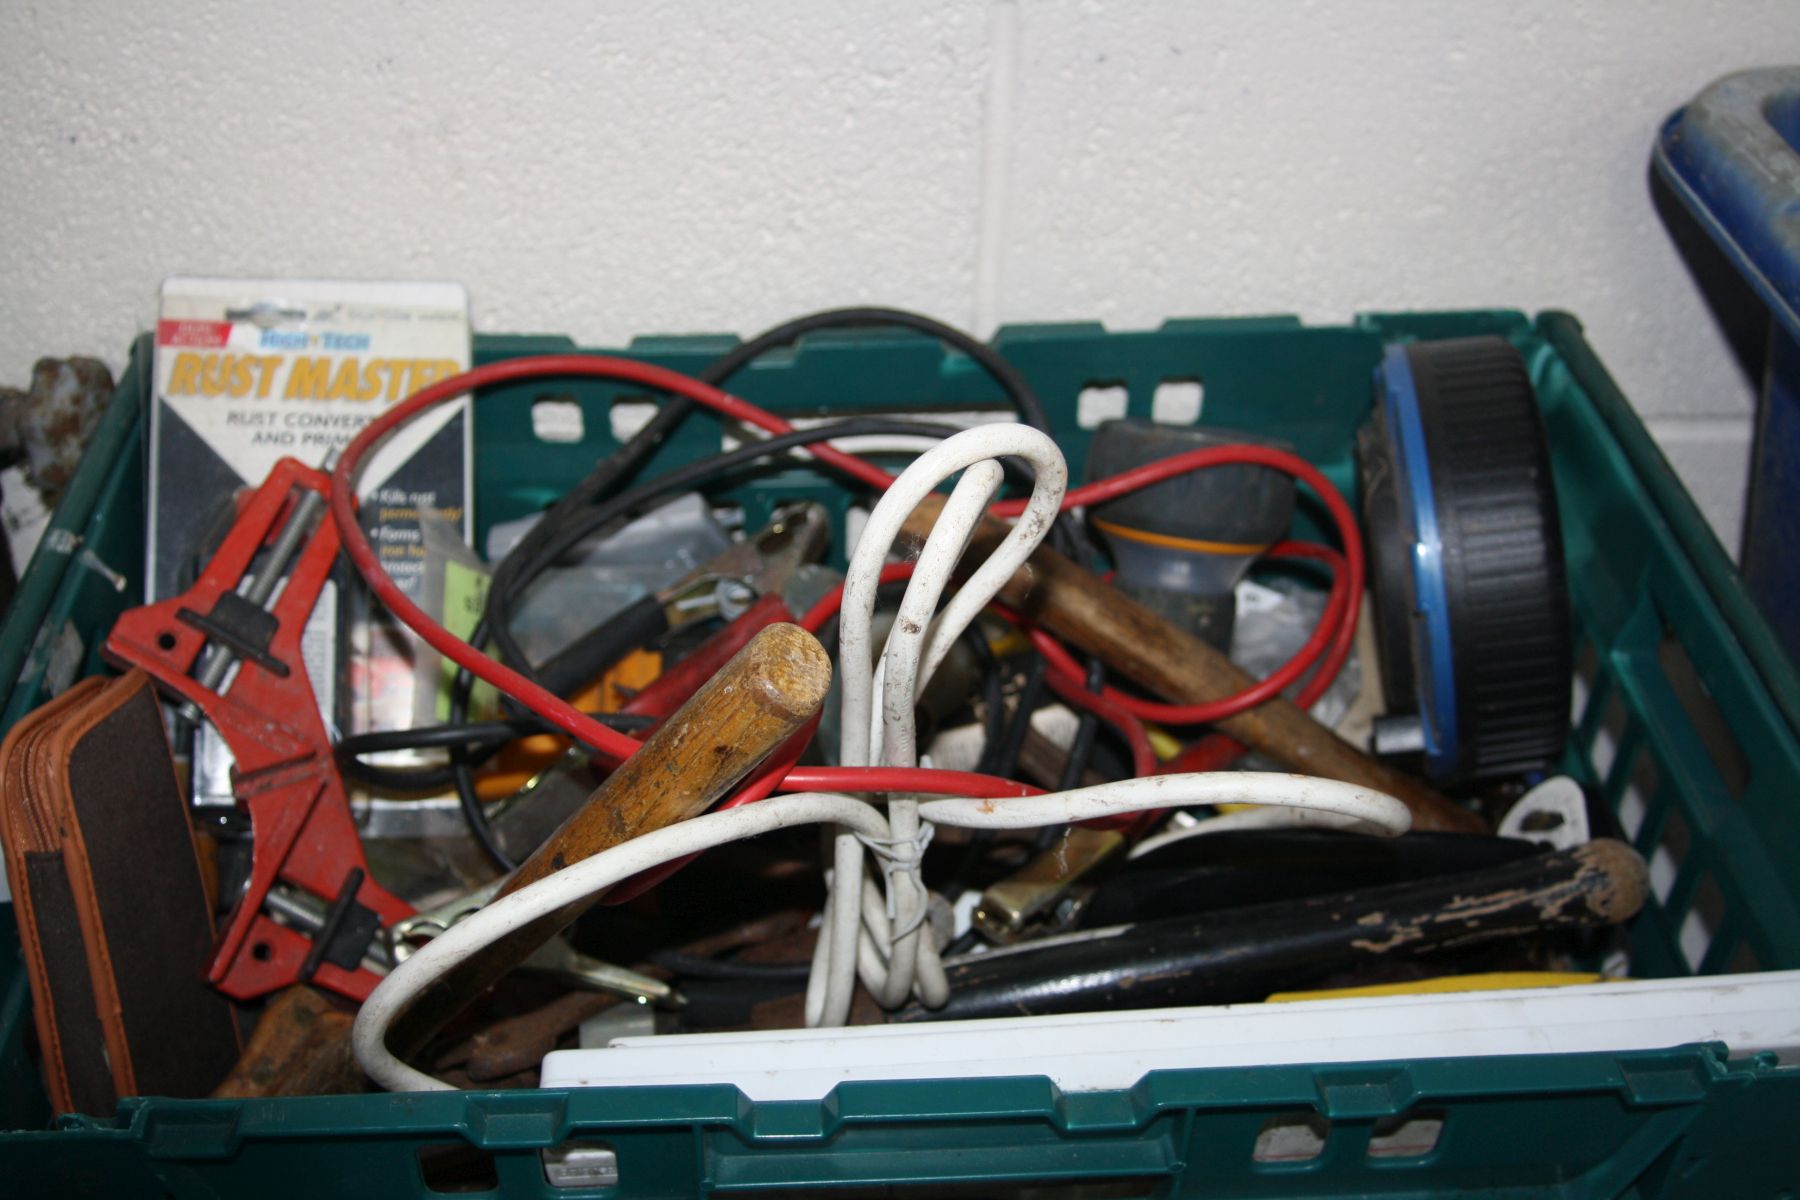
(238, 376)
(465, 599)
(1487, 982)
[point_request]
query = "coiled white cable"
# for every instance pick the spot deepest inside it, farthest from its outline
(909, 951)
(900, 958)
(880, 936)
(591, 876)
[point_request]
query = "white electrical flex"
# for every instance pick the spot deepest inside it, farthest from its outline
(591, 876)
(870, 928)
(883, 938)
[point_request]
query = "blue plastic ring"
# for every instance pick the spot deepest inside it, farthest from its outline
(1418, 514)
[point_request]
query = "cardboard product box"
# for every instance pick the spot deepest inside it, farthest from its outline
(252, 370)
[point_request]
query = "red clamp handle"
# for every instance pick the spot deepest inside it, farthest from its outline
(285, 774)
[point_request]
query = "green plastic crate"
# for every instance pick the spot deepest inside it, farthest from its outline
(1686, 717)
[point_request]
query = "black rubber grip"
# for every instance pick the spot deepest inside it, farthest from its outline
(582, 661)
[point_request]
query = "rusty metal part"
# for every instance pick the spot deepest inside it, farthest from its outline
(771, 928)
(301, 1047)
(519, 1043)
(796, 946)
(46, 427)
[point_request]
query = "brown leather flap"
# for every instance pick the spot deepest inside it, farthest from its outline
(96, 788)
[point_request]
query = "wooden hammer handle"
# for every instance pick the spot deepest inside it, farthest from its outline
(1084, 610)
(733, 721)
(768, 690)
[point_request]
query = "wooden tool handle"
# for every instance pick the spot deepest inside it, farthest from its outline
(1084, 610)
(766, 692)
(737, 718)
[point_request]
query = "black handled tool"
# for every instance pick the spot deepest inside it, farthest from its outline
(1247, 953)
(726, 586)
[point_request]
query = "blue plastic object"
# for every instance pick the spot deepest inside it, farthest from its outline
(1733, 159)
(1418, 513)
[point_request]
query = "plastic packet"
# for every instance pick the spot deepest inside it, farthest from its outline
(1274, 619)
(606, 573)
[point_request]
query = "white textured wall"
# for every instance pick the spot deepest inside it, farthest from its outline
(605, 170)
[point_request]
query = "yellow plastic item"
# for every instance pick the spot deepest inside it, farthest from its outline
(1170, 541)
(1491, 981)
(1013, 641)
(1164, 746)
(519, 763)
